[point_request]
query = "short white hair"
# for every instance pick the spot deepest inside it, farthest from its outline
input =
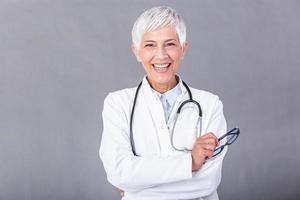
(155, 18)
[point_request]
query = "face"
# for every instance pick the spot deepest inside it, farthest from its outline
(160, 52)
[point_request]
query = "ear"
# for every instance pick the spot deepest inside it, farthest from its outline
(184, 49)
(135, 52)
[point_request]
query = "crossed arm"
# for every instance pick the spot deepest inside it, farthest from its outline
(127, 172)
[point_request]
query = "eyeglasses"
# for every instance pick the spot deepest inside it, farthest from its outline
(230, 136)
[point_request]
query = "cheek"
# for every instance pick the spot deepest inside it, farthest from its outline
(145, 57)
(176, 55)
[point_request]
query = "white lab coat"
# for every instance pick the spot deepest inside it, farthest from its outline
(159, 172)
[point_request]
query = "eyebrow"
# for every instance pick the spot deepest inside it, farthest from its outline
(169, 40)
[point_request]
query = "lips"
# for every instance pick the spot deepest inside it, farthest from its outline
(161, 67)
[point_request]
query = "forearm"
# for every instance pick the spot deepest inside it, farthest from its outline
(203, 183)
(132, 173)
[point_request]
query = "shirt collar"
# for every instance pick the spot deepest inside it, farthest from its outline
(179, 89)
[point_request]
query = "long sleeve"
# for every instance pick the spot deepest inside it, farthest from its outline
(205, 181)
(160, 172)
(129, 172)
(209, 176)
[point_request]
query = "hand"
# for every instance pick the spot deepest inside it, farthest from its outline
(121, 192)
(203, 150)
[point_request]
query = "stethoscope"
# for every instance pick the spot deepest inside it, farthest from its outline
(190, 100)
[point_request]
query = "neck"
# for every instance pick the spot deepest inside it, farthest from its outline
(162, 88)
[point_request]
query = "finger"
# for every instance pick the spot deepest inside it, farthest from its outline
(208, 154)
(216, 141)
(204, 149)
(212, 135)
(208, 146)
(207, 141)
(205, 138)
(209, 135)
(215, 138)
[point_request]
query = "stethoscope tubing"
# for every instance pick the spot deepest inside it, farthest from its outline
(190, 100)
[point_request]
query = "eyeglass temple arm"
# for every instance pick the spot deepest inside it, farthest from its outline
(232, 130)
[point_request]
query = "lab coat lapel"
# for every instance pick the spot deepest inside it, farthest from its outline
(154, 105)
(179, 100)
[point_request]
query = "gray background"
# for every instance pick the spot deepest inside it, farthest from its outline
(60, 58)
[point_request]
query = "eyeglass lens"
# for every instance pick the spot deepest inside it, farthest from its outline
(217, 151)
(231, 136)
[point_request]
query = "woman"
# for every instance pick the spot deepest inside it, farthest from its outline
(148, 151)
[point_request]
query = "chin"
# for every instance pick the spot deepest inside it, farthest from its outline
(164, 81)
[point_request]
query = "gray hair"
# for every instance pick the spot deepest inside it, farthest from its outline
(158, 17)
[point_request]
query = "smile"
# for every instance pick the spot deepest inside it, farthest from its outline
(161, 67)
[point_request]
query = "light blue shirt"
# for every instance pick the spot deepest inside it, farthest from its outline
(168, 100)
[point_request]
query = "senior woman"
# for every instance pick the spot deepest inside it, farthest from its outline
(155, 144)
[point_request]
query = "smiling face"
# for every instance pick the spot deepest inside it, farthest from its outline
(160, 52)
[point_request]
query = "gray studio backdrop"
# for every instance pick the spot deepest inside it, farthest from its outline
(60, 58)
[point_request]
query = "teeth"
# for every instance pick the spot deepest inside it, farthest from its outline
(160, 65)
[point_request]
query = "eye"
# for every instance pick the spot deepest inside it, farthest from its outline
(149, 45)
(171, 44)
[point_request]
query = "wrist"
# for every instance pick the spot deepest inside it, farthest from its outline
(196, 163)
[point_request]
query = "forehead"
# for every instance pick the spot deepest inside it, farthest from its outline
(161, 34)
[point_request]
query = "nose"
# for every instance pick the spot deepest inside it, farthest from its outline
(161, 53)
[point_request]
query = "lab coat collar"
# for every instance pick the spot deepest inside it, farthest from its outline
(148, 89)
(150, 98)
